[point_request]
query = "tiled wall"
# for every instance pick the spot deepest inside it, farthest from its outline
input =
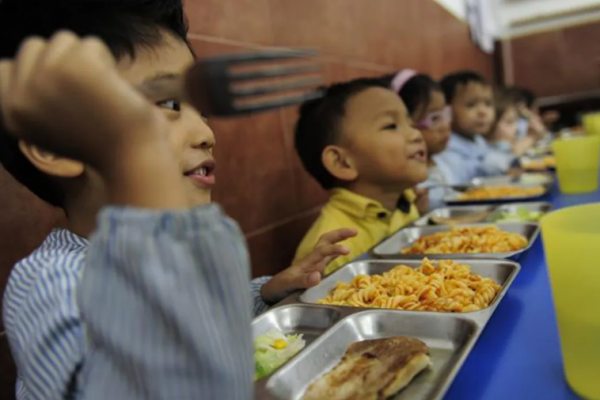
(557, 62)
(261, 183)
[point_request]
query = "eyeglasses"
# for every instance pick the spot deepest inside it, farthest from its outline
(435, 119)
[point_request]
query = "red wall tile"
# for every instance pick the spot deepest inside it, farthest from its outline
(241, 20)
(558, 62)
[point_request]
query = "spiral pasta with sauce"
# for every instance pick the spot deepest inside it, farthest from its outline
(445, 287)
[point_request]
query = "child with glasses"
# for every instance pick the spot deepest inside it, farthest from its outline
(426, 104)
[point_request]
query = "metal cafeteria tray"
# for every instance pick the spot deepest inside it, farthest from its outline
(461, 211)
(450, 336)
(450, 340)
(525, 179)
(541, 207)
(454, 198)
(392, 247)
(452, 212)
(500, 271)
(310, 321)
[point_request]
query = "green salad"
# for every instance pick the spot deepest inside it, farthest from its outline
(272, 350)
(521, 215)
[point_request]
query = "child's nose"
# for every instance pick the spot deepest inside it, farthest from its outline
(416, 135)
(200, 135)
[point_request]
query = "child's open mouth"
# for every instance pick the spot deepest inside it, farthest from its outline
(203, 174)
(420, 156)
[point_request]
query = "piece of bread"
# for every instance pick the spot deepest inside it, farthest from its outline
(372, 370)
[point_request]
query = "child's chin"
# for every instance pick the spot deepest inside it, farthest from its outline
(200, 199)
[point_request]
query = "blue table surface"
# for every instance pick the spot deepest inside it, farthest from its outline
(518, 354)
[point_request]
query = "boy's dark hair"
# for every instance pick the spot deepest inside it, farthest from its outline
(416, 92)
(319, 125)
(124, 25)
(450, 82)
(526, 96)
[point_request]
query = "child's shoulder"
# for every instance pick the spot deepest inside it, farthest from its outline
(61, 254)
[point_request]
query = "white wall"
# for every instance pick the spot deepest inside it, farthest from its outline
(509, 11)
(456, 7)
(514, 10)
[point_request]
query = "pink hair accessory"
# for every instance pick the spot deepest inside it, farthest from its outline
(402, 79)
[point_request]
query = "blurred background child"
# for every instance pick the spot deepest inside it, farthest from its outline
(469, 155)
(505, 135)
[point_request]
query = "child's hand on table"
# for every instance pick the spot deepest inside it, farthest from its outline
(308, 272)
(66, 96)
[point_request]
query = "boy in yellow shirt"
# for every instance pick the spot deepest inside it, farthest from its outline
(358, 142)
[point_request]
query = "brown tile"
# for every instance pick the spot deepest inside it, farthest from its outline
(208, 48)
(558, 62)
(8, 372)
(390, 30)
(24, 223)
(538, 62)
(255, 183)
(241, 20)
(583, 62)
(332, 26)
(273, 250)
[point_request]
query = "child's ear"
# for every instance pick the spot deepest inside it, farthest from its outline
(50, 163)
(339, 163)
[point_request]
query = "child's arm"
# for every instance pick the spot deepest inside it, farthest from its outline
(164, 294)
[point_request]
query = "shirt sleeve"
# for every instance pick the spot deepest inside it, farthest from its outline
(256, 291)
(166, 300)
(44, 329)
(497, 163)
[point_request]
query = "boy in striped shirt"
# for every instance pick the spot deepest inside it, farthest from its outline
(52, 340)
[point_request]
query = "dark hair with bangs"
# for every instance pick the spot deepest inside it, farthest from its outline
(416, 92)
(451, 82)
(319, 125)
(124, 25)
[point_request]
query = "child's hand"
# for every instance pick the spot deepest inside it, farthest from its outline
(422, 200)
(308, 272)
(66, 96)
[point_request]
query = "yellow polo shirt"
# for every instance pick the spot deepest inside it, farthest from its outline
(346, 209)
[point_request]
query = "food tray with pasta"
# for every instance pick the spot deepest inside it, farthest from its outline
(443, 286)
(471, 241)
(324, 368)
(449, 339)
(493, 194)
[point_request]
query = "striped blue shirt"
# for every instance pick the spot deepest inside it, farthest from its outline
(185, 313)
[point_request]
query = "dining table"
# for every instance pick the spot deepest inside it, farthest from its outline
(518, 355)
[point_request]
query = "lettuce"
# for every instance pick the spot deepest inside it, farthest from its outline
(272, 350)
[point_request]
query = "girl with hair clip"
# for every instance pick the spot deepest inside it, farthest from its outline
(426, 105)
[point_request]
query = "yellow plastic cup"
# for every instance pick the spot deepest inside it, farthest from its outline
(591, 124)
(577, 164)
(572, 245)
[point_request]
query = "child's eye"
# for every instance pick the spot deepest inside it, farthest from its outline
(390, 127)
(173, 105)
